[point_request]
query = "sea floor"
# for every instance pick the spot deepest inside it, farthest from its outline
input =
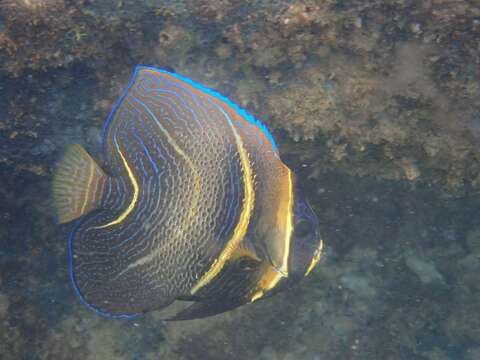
(398, 281)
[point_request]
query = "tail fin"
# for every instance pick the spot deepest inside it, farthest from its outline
(78, 184)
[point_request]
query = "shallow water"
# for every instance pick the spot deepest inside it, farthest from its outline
(373, 105)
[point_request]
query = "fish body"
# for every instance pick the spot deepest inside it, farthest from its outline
(192, 203)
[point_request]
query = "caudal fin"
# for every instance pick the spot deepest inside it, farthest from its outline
(78, 184)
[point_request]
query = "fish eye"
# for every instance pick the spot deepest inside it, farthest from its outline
(303, 229)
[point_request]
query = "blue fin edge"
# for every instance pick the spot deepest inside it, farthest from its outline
(209, 91)
(76, 288)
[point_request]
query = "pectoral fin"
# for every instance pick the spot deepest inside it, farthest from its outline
(199, 310)
(233, 287)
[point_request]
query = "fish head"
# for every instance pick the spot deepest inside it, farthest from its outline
(305, 243)
(289, 238)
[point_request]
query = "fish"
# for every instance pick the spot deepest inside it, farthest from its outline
(189, 203)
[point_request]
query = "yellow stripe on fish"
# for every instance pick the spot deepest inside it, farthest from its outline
(136, 190)
(242, 225)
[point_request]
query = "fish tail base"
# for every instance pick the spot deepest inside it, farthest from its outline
(78, 184)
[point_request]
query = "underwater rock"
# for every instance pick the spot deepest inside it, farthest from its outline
(473, 353)
(460, 325)
(473, 242)
(360, 285)
(268, 353)
(436, 354)
(4, 303)
(424, 269)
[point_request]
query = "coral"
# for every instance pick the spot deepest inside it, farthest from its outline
(53, 33)
(400, 118)
(174, 40)
(305, 108)
(212, 10)
(348, 85)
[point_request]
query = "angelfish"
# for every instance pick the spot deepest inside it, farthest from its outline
(191, 202)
